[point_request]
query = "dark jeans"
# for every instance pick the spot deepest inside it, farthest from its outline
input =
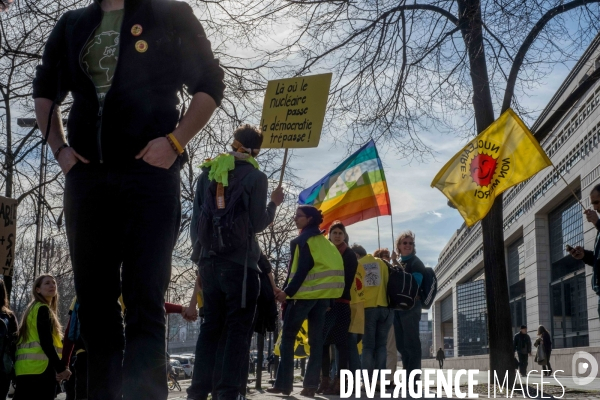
(408, 342)
(378, 321)
(523, 361)
(225, 318)
(441, 362)
(353, 356)
(122, 224)
(295, 313)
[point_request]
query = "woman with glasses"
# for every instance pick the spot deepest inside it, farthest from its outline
(316, 276)
(406, 322)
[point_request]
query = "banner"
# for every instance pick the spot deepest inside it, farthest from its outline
(503, 155)
(294, 111)
(8, 233)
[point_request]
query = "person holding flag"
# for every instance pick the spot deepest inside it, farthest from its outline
(316, 276)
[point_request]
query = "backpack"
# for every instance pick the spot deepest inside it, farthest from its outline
(6, 348)
(428, 289)
(222, 231)
(402, 289)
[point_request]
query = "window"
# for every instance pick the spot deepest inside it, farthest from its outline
(472, 319)
(567, 290)
(566, 227)
(569, 313)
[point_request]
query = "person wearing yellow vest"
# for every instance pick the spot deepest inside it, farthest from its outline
(37, 363)
(315, 278)
(378, 317)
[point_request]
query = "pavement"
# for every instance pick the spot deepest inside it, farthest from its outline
(551, 386)
(572, 390)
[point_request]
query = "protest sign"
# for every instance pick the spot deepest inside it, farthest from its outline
(8, 233)
(294, 110)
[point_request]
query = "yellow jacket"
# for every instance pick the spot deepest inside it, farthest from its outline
(376, 280)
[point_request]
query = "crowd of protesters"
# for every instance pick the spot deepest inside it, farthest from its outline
(125, 148)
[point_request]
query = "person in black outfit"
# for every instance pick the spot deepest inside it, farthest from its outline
(440, 357)
(9, 341)
(337, 319)
(545, 340)
(125, 146)
(522, 345)
(223, 276)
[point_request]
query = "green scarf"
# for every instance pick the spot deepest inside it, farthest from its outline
(220, 166)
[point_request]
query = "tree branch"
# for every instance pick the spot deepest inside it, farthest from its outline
(535, 31)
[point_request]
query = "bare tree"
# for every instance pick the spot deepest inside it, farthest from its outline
(24, 29)
(402, 68)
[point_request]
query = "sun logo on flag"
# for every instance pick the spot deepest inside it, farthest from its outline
(483, 167)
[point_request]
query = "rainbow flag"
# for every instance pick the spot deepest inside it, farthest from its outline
(353, 192)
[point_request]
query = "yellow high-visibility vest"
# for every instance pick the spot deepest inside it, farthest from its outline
(30, 358)
(325, 280)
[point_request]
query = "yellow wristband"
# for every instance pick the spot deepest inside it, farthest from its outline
(176, 143)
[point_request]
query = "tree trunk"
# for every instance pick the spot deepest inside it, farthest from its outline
(10, 170)
(498, 308)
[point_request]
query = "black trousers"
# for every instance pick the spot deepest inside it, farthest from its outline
(523, 361)
(335, 331)
(441, 362)
(81, 376)
(219, 369)
(38, 387)
(122, 223)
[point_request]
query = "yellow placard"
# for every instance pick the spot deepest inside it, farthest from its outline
(294, 111)
(8, 233)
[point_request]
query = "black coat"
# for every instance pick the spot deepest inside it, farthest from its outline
(141, 104)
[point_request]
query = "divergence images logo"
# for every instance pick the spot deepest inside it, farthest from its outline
(482, 163)
(584, 367)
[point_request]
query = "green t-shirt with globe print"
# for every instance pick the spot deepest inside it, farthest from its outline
(100, 55)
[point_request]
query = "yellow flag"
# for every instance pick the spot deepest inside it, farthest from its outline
(503, 155)
(301, 347)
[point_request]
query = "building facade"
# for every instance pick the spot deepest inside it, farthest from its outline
(541, 216)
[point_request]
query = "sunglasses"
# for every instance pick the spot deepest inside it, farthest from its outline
(409, 243)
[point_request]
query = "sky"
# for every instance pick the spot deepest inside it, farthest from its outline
(415, 205)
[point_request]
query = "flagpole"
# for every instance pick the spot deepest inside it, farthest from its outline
(392, 222)
(283, 166)
(378, 238)
(566, 183)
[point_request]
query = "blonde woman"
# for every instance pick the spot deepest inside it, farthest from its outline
(38, 366)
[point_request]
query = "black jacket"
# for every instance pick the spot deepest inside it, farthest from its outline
(522, 340)
(350, 266)
(255, 199)
(141, 104)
